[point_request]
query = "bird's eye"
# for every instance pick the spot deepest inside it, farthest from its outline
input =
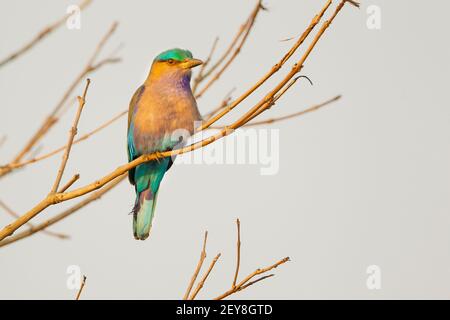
(170, 61)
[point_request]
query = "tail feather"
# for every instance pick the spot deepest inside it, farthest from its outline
(148, 176)
(143, 213)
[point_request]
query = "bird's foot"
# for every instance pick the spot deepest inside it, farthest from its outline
(158, 156)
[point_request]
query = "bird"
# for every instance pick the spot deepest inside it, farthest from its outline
(162, 105)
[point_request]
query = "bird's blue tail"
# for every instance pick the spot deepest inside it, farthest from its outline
(144, 210)
(148, 177)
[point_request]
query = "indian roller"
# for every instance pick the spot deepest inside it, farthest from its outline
(162, 105)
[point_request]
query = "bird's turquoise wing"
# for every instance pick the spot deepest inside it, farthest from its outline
(130, 139)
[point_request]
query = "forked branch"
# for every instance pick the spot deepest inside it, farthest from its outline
(198, 268)
(73, 132)
(236, 286)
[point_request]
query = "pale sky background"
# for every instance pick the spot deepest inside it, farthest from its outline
(363, 182)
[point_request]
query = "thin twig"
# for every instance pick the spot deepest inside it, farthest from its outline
(34, 152)
(64, 214)
(69, 183)
(355, 3)
(83, 282)
(47, 232)
(222, 105)
(270, 97)
(58, 150)
(200, 75)
(236, 287)
(269, 101)
(226, 53)
(72, 133)
(197, 269)
(248, 27)
(41, 35)
(271, 72)
(286, 117)
(293, 115)
(54, 115)
(238, 252)
(245, 282)
(255, 281)
(203, 280)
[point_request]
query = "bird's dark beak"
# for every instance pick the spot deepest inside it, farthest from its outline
(191, 63)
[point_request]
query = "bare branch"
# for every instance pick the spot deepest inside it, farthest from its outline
(225, 101)
(238, 252)
(271, 97)
(72, 133)
(355, 3)
(235, 287)
(203, 280)
(294, 115)
(41, 35)
(197, 269)
(286, 117)
(271, 72)
(83, 282)
(54, 115)
(69, 183)
(257, 280)
(34, 152)
(246, 31)
(58, 150)
(64, 214)
(226, 53)
(245, 283)
(200, 75)
(47, 232)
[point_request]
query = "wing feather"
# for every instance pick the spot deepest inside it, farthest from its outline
(131, 147)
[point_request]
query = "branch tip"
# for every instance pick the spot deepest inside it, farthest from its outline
(354, 3)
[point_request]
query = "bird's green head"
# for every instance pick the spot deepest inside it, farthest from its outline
(174, 54)
(174, 60)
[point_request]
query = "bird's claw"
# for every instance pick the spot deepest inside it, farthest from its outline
(158, 156)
